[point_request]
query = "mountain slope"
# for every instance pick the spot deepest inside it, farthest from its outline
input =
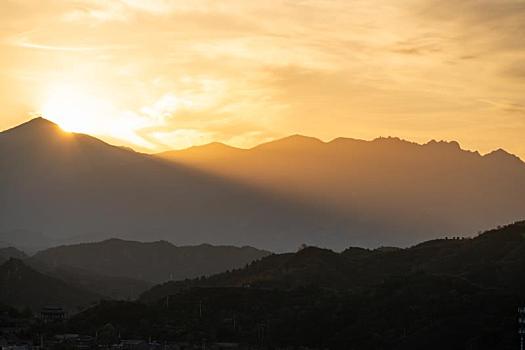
(440, 294)
(396, 192)
(67, 185)
(109, 287)
(155, 261)
(22, 286)
(491, 260)
(275, 196)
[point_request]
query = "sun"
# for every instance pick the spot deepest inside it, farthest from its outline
(76, 109)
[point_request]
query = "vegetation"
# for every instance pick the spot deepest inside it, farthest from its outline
(451, 293)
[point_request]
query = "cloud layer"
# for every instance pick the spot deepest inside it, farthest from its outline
(182, 73)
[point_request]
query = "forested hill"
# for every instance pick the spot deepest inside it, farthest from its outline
(494, 259)
(441, 294)
(154, 262)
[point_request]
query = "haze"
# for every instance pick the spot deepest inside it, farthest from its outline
(160, 74)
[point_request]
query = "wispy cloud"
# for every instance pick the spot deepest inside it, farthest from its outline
(243, 71)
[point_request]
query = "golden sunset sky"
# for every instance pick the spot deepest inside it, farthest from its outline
(162, 74)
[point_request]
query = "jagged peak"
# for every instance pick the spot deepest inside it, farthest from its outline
(503, 155)
(443, 144)
(392, 140)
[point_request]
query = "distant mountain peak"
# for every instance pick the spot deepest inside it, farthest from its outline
(502, 155)
(40, 133)
(293, 141)
(443, 144)
(40, 121)
(300, 138)
(345, 140)
(207, 150)
(214, 146)
(392, 140)
(38, 124)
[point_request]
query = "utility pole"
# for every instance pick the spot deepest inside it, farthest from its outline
(521, 325)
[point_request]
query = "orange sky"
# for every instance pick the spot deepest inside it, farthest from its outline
(161, 74)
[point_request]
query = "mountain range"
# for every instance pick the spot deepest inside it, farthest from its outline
(493, 259)
(390, 191)
(114, 269)
(456, 293)
(75, 188)
(66, 185)
(154, 262)
(22, 286)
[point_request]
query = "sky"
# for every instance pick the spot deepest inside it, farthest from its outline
(167, 74)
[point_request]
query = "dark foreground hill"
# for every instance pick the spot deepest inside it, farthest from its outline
(443, 294)
(153, 262)
(108, 287)
(21, 286)
(494, 259)
(11, 252)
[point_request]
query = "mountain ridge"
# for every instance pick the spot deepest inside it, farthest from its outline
(81, 186)
(453, 144)
(46, 125)
(394, 185)
(149, 261)
(490, 260)
(22, 286)
(275, 197)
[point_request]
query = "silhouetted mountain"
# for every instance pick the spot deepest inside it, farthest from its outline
(67, 185)
(155, 261)
(21, 286)
(109, 287)
(441, 294)
(275, 196)
(391, 192)
(491, 260)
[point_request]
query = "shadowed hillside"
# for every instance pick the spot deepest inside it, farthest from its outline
(441, 294)
(11, 252)
(100, 283)
(492, 260)
(155, 262)
(275, 196)
(72, 185)
(400, 192)
(21, 286)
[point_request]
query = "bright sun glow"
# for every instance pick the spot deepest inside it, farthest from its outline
(76, 109)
